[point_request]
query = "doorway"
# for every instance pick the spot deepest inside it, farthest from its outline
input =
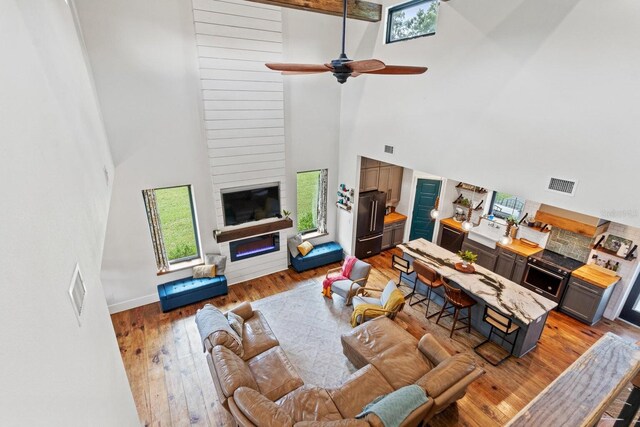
(631, 309)
(427, 191)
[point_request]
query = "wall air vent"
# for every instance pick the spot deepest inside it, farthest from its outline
(388, 149)
(562, 186)
(77, 292)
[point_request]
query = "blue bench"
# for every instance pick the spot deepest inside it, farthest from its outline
(323, 254)
(186, 291)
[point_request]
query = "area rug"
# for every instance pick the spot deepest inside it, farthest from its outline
(308, 327)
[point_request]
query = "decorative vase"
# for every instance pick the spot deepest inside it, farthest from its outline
(465, 264)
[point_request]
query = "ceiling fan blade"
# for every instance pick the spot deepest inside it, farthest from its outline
(305, 68)
(398, 69)
(295, 73)
(365, 66)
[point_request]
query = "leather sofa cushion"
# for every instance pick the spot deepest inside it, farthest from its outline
(231, 370)
(401, 365)
(243, 310)
(447, 374)
(257, 336)
(260, 410)
(274, 374)
(309, 403)
(358, 390)
(431, 348)
(364, 342)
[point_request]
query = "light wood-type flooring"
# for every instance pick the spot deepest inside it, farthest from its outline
(172, 386)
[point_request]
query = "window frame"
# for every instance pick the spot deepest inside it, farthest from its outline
(312, 231)
(493, 200)
(188, 261)
(400, 7)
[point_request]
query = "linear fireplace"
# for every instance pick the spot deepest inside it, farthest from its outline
(254, 246)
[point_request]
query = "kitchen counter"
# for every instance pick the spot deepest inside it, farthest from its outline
(452, 223)
(519, 248)
(593, 275)
(394, 217)
(527, 309)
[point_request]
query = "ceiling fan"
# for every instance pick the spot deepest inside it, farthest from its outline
(343, 67)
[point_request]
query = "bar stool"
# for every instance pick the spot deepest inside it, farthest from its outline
(503, 326)
(405, 268)
(459, 300)
(430, 278)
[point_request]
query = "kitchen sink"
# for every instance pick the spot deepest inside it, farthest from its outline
(488, 232)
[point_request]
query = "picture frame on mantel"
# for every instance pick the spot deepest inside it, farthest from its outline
(619, 245)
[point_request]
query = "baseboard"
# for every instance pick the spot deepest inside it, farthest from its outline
(133, 303)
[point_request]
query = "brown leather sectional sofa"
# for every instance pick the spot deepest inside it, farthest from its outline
(261, 388)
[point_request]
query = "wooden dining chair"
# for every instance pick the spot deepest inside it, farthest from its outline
(428, 277)
(459, 300)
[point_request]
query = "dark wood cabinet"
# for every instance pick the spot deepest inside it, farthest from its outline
(450, 239)
(506, 263)
(511, 265)
(487, 257)
(584, 301)
(519, 268)
(393, 234)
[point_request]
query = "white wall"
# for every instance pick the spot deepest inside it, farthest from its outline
(145, 63)
(55, 201)
(143, 56)
(517, 91)
(312, 105)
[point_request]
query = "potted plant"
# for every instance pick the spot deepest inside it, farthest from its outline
(512, 225)
(467, 257)
(286, 213)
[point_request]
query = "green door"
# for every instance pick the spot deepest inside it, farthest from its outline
(427, 190)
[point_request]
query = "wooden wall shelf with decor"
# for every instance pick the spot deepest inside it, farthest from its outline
(469, 187)
(254, 230)
(629, 257)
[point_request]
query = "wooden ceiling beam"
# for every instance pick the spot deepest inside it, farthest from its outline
(356, 9)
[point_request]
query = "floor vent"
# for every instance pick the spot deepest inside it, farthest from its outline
(388, 149)
(77, 292)
(562, 186)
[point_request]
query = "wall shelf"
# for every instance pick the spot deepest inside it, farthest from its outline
(253, 230)
(614, 254)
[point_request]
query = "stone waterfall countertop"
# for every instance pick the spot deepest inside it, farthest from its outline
(495, 290)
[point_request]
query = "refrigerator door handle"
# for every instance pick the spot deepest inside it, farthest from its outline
(371, 216)
(375, 218)
(370, 238)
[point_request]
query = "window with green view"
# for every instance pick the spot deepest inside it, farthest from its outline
(177, 219)
(413, 19)
(505, 205)
(308, 184)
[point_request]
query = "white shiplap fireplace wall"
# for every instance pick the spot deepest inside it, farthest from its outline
(243, 108)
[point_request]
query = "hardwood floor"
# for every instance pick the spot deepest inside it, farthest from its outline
(172, 386)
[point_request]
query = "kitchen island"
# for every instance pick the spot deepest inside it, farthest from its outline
(527, 309)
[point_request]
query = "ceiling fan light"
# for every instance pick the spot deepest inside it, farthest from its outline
(506, 240)
(467, 225)
(435, 213)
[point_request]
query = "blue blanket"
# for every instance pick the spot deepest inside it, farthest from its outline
(395, 407)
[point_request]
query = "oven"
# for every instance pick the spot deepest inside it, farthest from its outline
(545, 280)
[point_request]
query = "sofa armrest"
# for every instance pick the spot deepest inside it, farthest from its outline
(260, 410)
(448, 374)
(244, 310)
(348, 422)
(431, 348)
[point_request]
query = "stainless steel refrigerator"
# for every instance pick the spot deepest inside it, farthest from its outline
(371, 208)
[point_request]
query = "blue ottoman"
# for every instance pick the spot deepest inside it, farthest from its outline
(189, 290)
(323, 254)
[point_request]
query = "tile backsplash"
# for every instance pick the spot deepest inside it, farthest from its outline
(569, 244)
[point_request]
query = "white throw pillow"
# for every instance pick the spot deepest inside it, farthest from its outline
(293, 243)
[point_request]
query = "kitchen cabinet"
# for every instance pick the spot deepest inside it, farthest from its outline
(510, 265)
(393, 234)
(369, 179)
(505, 264)
(487, 257)
(376, 175)
(450, 239)
(368, 163)
(584, 301)
(518, 270)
